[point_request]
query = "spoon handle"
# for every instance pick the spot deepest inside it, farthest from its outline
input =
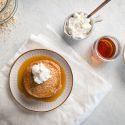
(98, 8)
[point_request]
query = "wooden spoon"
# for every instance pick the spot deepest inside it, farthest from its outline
(98, 8)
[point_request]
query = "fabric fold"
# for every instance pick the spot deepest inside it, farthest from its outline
(88, 90)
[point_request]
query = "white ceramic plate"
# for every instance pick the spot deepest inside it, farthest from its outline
(33, 104)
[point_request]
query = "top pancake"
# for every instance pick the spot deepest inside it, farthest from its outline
(49, 87)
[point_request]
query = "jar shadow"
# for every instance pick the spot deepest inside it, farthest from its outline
(92, 60)
(69, 40)
(121, 72)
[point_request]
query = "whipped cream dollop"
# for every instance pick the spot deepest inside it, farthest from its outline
(78, 25)
(40, 73)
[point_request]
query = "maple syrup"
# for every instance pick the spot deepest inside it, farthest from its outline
(21, 73)
(106, 48)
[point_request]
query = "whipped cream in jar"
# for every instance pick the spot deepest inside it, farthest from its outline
(78, 27)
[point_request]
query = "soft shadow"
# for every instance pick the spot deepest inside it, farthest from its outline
(69, 40)
(92, 60)
(121, 71)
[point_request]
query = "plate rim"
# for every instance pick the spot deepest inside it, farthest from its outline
(72, 80)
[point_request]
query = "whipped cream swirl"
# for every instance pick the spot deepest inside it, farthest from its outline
(40, 73)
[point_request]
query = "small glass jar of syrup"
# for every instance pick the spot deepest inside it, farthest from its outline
(105, 49)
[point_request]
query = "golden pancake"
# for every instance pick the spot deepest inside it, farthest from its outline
(49, 87)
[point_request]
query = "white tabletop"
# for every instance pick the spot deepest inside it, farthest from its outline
(34, 15)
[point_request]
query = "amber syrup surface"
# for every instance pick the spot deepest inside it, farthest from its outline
(106, 48)
(21, 72)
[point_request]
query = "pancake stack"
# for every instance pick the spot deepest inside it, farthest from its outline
(47, 89)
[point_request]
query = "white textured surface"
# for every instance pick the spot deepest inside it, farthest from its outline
(33, 16)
